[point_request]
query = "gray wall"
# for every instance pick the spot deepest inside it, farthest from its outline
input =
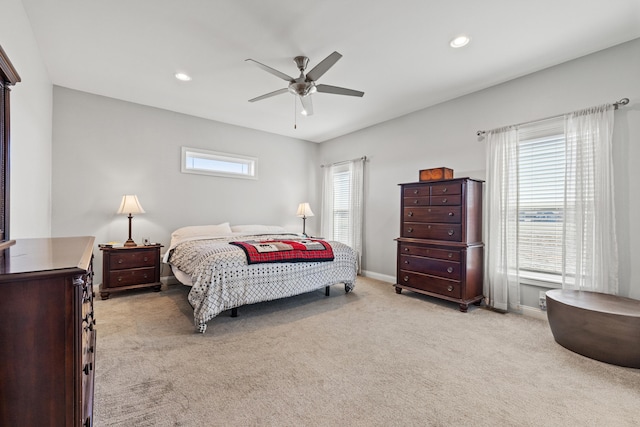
(445, 135)
(104, 148)
(31, 109)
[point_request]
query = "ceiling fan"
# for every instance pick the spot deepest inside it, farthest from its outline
(305, 85)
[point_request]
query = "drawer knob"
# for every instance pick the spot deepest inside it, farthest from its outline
(119, 261)
(146, 259)
(409, 230)
(406, 249)
(410, 213)
(444, 190)
(406, 262)
(415, 191)
(450, 270)
(444, 200)
(429, 227)
(450, 213)
(450, 288)
(450, 232)
(415, 202)
(405, 278)
(119, 279)
(450, 255)
(145, 276)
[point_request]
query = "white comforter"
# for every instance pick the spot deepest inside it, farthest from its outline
(222, 279)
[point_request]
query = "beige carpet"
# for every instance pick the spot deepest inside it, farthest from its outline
(368, 358)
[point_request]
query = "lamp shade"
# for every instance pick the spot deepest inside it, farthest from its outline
(304, 210)
(130, 205)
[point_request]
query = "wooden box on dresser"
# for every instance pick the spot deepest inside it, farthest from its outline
(440, 249)
(47, 333)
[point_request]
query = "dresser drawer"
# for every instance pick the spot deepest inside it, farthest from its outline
(445, 232)
(446, 214)
(451, 255)
(132, 258)
(435, 267)
(446, 189)
(450, 288)
(417, 201)
(417, 191)
(445, 200)
(132, 276)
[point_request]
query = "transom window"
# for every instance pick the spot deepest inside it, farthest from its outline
(205, 162)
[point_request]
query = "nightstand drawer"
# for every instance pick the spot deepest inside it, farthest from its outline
(132, 276)
(132, 259)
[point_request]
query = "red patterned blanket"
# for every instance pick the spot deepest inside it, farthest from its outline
(304, 250)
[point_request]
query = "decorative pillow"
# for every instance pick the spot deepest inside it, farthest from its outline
(219, 230)
(258, 229)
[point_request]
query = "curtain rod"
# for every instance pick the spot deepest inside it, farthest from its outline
(616, 105)
(363, 158)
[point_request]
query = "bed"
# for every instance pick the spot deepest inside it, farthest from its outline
(222, 278)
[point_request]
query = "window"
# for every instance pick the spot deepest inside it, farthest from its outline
(541, 191)
(341, 203)
(219, 164)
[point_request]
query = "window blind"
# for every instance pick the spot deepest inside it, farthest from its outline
(541, 185)
(341, 203)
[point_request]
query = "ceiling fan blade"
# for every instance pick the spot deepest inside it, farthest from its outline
(307, 105)
(273, 71)
(270, 94)
(338, 90)
(324, 65)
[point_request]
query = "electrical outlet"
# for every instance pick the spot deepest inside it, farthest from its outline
(543, 301)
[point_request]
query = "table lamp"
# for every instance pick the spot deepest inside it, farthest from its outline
(304, 211)
(130, 205)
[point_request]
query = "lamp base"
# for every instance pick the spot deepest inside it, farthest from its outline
(130, 243)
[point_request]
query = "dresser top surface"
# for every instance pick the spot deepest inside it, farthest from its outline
(46, 254)
(442, 181)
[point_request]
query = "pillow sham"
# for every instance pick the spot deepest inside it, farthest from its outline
(258, 229)
(219, 230)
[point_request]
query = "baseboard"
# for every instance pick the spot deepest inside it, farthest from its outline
(534, 312)
(378, 276)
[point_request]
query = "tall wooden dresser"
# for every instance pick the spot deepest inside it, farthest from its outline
(440, 249)
(47, 336)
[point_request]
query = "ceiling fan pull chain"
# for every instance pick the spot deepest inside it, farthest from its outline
(295, 120)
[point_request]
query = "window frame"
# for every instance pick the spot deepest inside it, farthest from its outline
(341, 214)
(540, 132)
(251, 162)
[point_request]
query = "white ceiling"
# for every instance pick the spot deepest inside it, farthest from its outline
(397, 52)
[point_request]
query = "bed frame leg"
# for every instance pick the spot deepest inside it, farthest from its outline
(234, 312)
(326, 290)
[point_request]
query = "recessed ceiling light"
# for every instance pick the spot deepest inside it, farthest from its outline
(459, 41)
(183, 77)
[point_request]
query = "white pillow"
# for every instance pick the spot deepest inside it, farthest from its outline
(219, 230)
(258, 229)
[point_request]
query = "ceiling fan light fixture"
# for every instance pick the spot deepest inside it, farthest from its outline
(182, 77)
(460, 41)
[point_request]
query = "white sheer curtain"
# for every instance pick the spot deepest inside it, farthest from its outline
(589, 247)
(343, 203)
(502, 284)
(590, 256)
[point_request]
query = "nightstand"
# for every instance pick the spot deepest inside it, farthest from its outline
(130, 268)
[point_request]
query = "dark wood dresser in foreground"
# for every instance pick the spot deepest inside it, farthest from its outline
(47, 335)
(440, 249)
